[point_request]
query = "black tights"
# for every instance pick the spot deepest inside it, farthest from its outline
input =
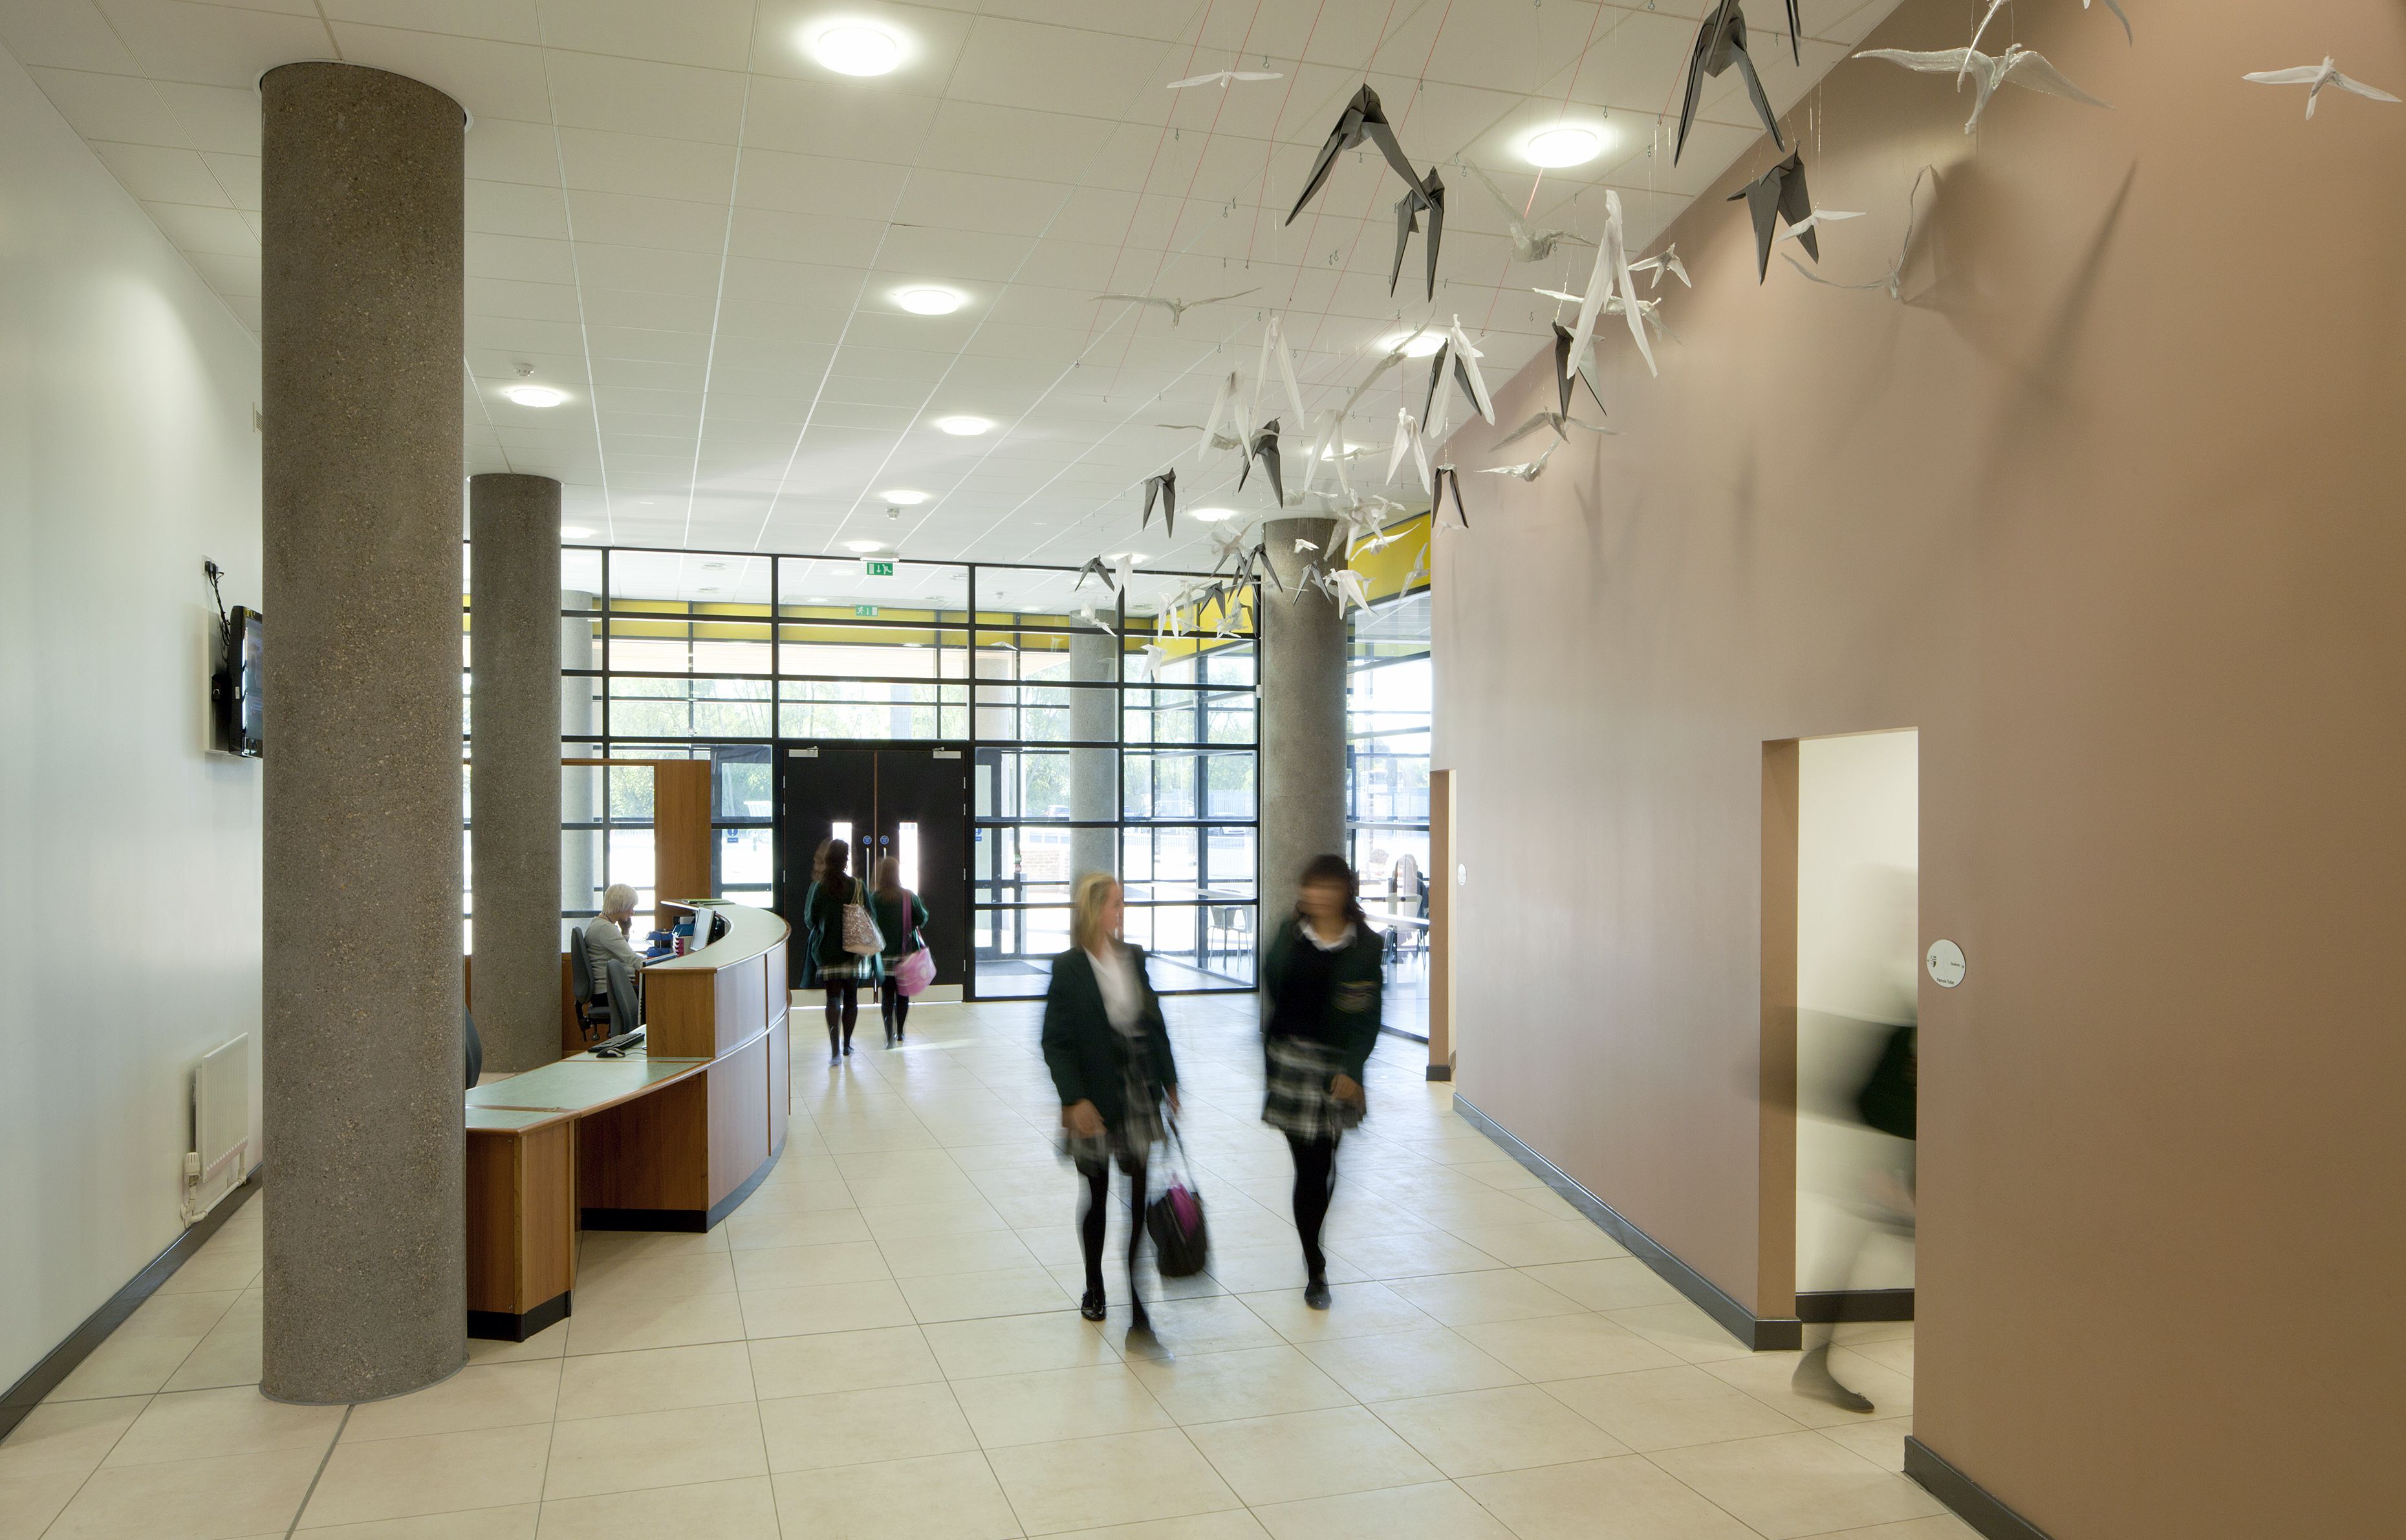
(1097, 1213)
(1315, 1183)
(842, 1010)
(895, 1006)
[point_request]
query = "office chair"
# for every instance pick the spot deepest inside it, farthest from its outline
(475, 1052)
(595, 1020)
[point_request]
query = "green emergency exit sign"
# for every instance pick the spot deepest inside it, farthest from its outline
(866, 612)
(877, 566)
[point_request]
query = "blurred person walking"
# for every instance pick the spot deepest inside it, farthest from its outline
(1884, 1205)
(900, 916)
(1108, 1048)
(1325, 981)
(832, 933)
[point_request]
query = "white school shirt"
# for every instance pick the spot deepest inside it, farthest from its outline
(1115, 976)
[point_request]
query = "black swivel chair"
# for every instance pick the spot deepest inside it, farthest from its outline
(599, 1018)
(475, 1052)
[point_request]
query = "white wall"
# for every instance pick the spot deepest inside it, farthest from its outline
(1858, 863)
(129, 854)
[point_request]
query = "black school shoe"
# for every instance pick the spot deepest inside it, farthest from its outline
(1092, 1305)
(1315, 1294)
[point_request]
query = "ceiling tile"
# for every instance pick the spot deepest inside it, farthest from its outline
(155, 175)
(502, 21)
(213, 232)
(122, 107)
(212, 45)
(670, 223)
(712, 33)
(491, 79)
(844, 118)
(646, 166)
(64, 37)
(516, 208)
(638, 96)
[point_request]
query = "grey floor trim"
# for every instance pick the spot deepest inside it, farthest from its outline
(44, 1377)
(1760, 1332)
(1971, 1502)
(1844, 1304)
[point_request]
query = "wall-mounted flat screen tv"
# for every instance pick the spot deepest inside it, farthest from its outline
(236, 691)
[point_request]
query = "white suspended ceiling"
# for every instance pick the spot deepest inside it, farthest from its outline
(680, 219)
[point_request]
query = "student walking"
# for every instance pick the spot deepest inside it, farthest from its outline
(833, 968)
(1108, 1050)
(900, 916)
(1325, 981)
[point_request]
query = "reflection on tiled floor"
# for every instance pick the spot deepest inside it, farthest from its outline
(883, 1342)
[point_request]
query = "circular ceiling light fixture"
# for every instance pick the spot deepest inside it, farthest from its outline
(864, 547)
(854, 48)
(575, 531)
(1414, 347)
(1212, 516)
(903, 497)
(534, 395)
(1563, 145)
(965, 427)
(929, 302)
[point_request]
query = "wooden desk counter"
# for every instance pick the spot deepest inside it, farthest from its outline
(672, 1138)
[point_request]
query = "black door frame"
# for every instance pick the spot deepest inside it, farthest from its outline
(793, 865)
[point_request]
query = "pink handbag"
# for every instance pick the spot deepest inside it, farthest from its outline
(916, 972)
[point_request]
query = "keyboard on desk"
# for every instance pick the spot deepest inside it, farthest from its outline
(615, 1048)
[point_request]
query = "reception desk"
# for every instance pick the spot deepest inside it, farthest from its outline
(672, 1137)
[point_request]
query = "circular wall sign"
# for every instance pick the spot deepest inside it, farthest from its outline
(1946, 963)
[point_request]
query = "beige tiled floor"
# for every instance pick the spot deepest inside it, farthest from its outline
(883, 1342)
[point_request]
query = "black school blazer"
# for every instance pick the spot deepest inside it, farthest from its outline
(1088, 1059)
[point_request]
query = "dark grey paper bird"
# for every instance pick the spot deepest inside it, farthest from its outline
(1428, 196)
(1563, 373)
(1449, 360)
(1165, 486)
(1095, 566)
(1265, 449)
(1778, 194)
(1448, 477)
(1363, 119)
(1721, 42)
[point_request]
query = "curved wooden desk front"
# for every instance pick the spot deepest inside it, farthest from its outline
(672, 1137)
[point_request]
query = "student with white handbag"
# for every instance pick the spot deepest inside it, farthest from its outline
(846, 950)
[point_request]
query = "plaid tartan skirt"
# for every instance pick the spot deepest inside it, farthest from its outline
(852, 970)
(1140, 1128)
(1297, 1099)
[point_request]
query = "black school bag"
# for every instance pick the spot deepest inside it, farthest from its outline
(1887, 1099)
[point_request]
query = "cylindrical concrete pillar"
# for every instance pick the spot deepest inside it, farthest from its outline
(513, 765)
(1094, 773)
(363, 1056)
(1302, 713)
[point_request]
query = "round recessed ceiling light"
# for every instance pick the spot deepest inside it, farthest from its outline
(1568, 144)
(575, 531)
(1212, 516)
(864, 547)
(535, 395)
(851, 48)
(1414, 347)
(965, 427)
(903, 497)
(929, 302)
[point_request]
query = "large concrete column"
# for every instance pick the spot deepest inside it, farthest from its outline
(513, 765)
(1302, 714)
(362, 1053)
(1094, 773)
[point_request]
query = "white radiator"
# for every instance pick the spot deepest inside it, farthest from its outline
(221, 1127)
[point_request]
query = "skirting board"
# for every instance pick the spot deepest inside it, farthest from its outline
(1828, 1305)
(1760, 1332)
(1971, 1502)
(44, 1377)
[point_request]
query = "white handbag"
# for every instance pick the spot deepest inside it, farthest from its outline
(860, 934)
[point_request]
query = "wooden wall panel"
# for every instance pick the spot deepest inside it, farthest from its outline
(681, 1014)
(651, 1152)
(743, 1004)
(492, 1221)
(739, 1116)
(681, 830)
(781, 1084)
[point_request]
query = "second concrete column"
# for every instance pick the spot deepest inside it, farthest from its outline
(1303, 713)
(513, 765)
(1094, 773)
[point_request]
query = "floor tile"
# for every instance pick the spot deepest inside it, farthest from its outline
(125, 1365)
(1566, 1347)
(978, 1251)
(799, 1266)
(208, 1424)
(1681, 1330)
(1767, 1376)
(1254, 1269)
(228, 1354)
(1512, 1427)
(214, 1268)
(670, 1277)
(1354, 1309)
(1797, 1484)
(824, 1307)
(863, 1427)
(551, 1342)
(1053, 1404)
(515, 1521)
(1608, 1283)
(1415, 1254)
(1880, 1442)
(825, 1361)
(67, 1435)
(744, 1509)
(1668, 1409)
(1894, 1354)
(1207, 1324)
(435, 1473)
(654, 1379)
(1246, 1382)
(1438, 1512)
(1088, 1483)
(1469, 1299)
(1011, 1345)
(750, 1230)
(1942, 1526)
(607, 1454)
(30, 1498)
(968, 1296)
(240, 1495)
(946, 1497)
(1396, 1365)
(903, 1222)
(1546, 1240)
(628, 1325)
(1229, 1524)
(1621, 1499)
(1297, 1455)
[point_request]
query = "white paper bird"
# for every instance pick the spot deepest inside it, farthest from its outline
(1087, 614)
(1274, 342)
(1344, 586)
(1127, 570)
(1555, 420)
(1667, 262)
(1224, 406)
(1222, 78)
(1302, 545)
(1385, 362)
(1526, 472)
(2313, 78)
(1228, 541)
(1615, 305)
(1154, 653)
(1528, 245)
(2018, 66)
(1465, 360)
(1408, 441)
(1177, 308)
(1996, 6)
(1818, 217)
(1893, 280)
(1610, 277)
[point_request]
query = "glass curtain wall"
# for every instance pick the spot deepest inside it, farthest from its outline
(1389, 693)
(1104, 734)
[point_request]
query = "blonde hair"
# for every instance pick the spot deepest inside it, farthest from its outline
(889, 874)
(1092, 892)
(617, 900)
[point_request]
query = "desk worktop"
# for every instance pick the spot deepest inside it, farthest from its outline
(578, 1085)
(750, 932)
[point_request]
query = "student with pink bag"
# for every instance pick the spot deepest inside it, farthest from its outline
(909, 970)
